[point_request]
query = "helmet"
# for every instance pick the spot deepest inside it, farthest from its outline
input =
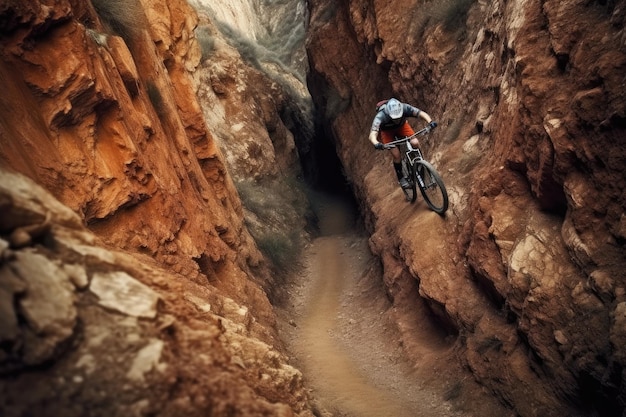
(394, 109)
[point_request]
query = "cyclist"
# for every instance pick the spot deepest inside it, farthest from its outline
(390, 121)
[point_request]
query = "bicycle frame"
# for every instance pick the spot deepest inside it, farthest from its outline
(412, 154)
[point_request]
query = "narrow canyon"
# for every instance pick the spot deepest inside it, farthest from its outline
(193, 221)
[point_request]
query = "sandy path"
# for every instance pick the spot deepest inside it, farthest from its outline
(342, 339)
(346, 388)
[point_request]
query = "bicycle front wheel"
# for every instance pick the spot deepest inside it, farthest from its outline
(432, 187)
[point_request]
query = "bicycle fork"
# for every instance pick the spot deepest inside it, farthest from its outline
(420, 180)
(412, 161)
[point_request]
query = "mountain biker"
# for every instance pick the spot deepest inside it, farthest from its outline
(390, 121)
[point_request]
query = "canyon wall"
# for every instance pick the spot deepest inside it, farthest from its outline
(526, 270)
(130, 283)
(129, 280)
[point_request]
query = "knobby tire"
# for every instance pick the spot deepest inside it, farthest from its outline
(434, 190)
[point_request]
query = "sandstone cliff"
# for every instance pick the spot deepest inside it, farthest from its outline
(130, 283)
(526, 270)
(136, 288)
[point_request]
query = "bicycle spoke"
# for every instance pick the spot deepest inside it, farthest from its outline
(433, 189)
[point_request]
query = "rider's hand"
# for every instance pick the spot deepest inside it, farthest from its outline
(432, 125)
(379, 146)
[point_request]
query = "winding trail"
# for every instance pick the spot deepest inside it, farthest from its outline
(341, 335)
(337, 378)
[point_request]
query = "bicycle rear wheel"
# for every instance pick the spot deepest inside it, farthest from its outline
(431, 186)
(409, 193)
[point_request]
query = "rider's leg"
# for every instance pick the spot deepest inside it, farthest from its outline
(386, 137)
(406, 130)
(397, 166)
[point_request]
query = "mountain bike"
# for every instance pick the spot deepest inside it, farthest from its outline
(420, 173)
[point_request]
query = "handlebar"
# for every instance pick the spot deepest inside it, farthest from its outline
(396, 142)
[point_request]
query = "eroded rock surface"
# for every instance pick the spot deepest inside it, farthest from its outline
(129, 282)
(526, 270)
(90, 330)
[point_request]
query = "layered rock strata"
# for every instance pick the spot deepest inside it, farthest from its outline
(526, 270)
(129, 282)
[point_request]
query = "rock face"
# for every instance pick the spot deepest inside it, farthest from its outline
(129, 282)
(100, 156)
(526, 270)
(89, 330)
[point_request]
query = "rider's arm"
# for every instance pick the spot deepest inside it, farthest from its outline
(375, 128)
(374, 137)
(415, 112)
(425, 116)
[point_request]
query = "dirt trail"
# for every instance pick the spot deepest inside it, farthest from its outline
(349, 349)
(337, 378)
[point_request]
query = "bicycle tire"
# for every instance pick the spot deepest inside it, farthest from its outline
(409, 193)
(432, 188)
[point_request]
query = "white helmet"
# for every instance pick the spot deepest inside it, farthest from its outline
(394, 109)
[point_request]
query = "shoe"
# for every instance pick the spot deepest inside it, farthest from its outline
(404, 183)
